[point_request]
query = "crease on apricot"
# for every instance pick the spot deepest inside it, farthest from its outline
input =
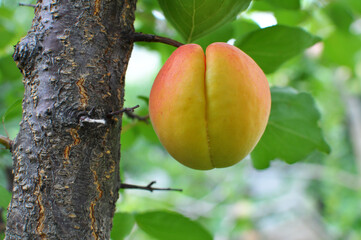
(206, 112)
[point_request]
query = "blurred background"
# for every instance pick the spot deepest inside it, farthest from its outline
(315, 199)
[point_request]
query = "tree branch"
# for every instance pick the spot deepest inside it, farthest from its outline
(6, 142)
(27, 5)
(148, 187)
(132, 115)
(131, 109)
(142, 37)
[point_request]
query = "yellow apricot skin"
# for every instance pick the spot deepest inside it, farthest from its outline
(209, 110)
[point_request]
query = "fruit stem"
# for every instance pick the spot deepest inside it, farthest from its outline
(142, 37)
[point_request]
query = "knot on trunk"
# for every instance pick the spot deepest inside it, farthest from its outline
(26, 51)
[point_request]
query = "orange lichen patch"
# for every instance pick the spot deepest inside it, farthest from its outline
(74, 134)
(108, 94)
(108, 152)
(90, 66)
(108, 174)
(124, 72)
(40, 226)
(92, 217)
(98, 188)
(119, 95)
(105, 137)
(124, 14)
(27, 119)
(34, 83)
(66, 152)
(93, 203)
(41, 219)
(89, 36)
(83, 93)
(73, 64)
(96, 7)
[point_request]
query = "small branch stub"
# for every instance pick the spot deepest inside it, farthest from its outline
(142, 37)
(149, 187)
(130, 113)
(6, 142)
(131, 109)
(27, 5)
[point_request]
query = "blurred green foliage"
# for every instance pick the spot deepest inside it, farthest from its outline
(314, 48)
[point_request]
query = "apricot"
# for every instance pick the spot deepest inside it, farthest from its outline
(209, 110)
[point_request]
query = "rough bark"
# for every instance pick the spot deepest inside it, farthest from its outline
(66, 172)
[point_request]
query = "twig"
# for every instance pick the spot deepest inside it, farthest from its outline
(6, 142)
(132, 115)
(27, 5)
(142, 37)
(131, 109)
(148, 187)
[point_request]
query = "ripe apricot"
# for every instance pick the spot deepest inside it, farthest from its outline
(209, 110)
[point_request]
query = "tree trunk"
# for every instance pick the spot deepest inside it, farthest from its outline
(66, 155)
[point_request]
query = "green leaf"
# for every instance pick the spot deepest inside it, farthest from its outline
(291, 18)
(340, 14)
(355, 5)
(222, 34)
(5, 197)
(293, 130)
(195, 18)
(144, 98)
(243, 26)
(122, 225)
(164, 225)
(271, 47)
(340, 48)
(287, 4)
(284, 16)
(15, 109)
